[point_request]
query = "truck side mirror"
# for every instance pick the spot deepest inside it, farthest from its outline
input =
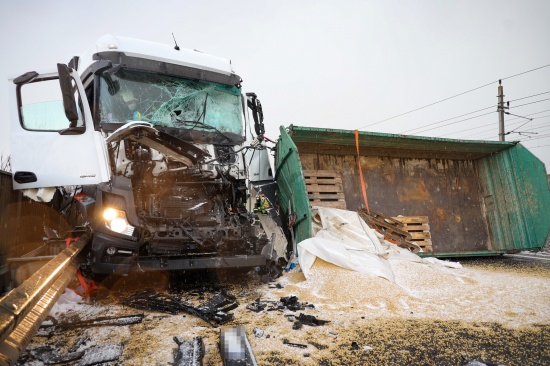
(257, 113)
(69, 102)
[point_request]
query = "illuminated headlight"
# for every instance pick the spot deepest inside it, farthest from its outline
(116, 221)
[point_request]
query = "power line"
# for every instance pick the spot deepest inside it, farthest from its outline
(479, 110)
(452, 123)
(531, 96)
(535, 138)
(536, 147)
(454, 96)
(492, 123)
(445, 120)
(538, 101)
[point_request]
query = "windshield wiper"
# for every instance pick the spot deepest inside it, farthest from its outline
(206, 127)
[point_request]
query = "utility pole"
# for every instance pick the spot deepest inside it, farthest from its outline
(500, 110)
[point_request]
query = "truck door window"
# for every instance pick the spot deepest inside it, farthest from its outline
(42, 106)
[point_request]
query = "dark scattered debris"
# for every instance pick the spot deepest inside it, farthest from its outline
(49, 356)
(311, 320)
(256, 306)
(213, 311)
(188, 353)
(297, 345)
(285, 303)
(354, 345)
(318, 345)
(47, 330)
(297, 325)
(292, 303)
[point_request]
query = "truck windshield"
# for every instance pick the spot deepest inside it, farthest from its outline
(169, 101)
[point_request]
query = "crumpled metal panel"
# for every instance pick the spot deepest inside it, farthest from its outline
(292, 187)
(517, 199)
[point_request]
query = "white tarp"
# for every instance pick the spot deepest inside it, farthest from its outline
(341, 237)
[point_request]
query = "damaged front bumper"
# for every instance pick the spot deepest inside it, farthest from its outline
(127, 259)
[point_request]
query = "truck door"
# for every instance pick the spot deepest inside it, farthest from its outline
(48, 149)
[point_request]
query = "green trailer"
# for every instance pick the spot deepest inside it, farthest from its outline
(480, 197)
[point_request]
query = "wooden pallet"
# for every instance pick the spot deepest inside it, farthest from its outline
(324, 188)
(419, 229)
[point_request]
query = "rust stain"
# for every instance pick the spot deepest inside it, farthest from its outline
(414, 191)
(440, 213)
(458, 218)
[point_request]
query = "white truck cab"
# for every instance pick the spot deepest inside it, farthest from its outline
(154, 139)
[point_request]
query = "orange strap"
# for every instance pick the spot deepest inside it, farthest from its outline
(363, 188)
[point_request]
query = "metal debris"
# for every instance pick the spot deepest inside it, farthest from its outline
(311, 320)
(297, 345)
(286, 303)
(49, 356)
(213, 311)
(188, 353)
(49, 330)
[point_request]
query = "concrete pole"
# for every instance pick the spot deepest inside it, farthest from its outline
(500, 110)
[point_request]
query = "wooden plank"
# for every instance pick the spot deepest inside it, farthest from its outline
(420, 235)
(320, 173)
(326, 196)
(412, 219)
(316, 180)
(324, 188)
(416, 227)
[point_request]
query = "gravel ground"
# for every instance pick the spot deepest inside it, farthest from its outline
(492, 309)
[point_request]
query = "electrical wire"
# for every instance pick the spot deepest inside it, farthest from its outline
(445, 120)
(493, 134)
(454, 96)
(531, 96)
(452, 123)
(535, 138)
(536, 147)
(521, 105)
(492, 123)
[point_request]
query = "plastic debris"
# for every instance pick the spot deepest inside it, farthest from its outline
(311, 320)
(258, 332)
(213, 311)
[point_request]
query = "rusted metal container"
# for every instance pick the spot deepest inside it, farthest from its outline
(481, 197)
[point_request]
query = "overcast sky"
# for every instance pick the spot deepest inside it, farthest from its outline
(334, 64)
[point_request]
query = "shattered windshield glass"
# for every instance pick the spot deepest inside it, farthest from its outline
(168, 101)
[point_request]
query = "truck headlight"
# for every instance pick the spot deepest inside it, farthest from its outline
(116, 221)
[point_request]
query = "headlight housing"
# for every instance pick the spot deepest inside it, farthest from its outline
(115, 220)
